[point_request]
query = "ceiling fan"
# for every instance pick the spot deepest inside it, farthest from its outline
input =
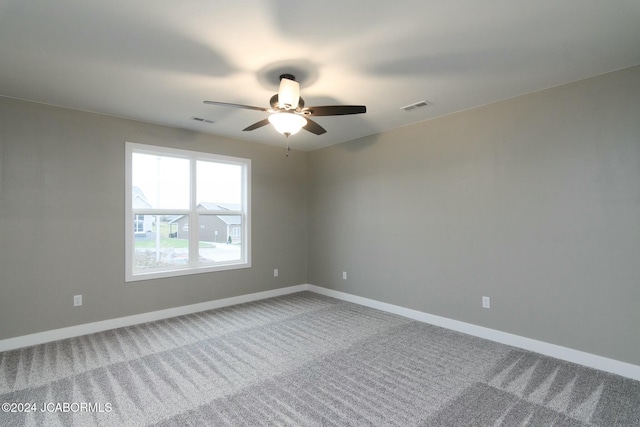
(288, 113)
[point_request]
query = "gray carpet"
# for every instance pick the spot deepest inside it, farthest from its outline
(304, 359)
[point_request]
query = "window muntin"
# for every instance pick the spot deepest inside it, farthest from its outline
(195, 208)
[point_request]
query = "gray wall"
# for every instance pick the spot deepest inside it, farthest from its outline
(62, 219)
(533, 201)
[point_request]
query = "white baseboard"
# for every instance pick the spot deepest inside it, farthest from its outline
(120, 322)
(582, 358)
(570, 355)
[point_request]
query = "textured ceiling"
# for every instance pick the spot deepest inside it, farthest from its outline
(157, 61)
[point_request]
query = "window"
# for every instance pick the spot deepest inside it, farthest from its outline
(167, 190)
(138, 224)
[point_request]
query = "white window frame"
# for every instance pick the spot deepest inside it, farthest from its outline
(192, 266)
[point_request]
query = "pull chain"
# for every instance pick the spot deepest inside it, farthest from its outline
(286, 154)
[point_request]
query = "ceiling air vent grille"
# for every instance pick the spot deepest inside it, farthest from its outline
(200, 119)
(415, 105)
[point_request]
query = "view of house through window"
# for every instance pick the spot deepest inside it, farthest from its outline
(189, 212)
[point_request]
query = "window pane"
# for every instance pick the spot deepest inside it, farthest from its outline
(166, 245)
(220, 238)
(139, 224)
(160, 182)
(218, 184)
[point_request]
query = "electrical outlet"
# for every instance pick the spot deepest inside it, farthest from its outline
(486, 302)
(275, 272)
(344, 275)
(77, 300)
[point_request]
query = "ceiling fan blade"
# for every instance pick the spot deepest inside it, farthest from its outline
(226, 104)
(334, 110)
(313, 127)
(257, 125)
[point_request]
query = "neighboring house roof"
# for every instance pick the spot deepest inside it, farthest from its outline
(212, 206)
(138, 195)
(227, 219)
(230, 219)
(172, 218)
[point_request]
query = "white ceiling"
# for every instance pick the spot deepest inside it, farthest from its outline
(156, 60)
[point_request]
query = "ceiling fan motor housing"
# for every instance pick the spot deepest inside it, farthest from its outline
(275, 104)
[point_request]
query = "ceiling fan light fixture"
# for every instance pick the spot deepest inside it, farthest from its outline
(287, 123)
(288, 94)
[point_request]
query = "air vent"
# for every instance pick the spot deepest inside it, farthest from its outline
(200, 119)
(415, 105)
